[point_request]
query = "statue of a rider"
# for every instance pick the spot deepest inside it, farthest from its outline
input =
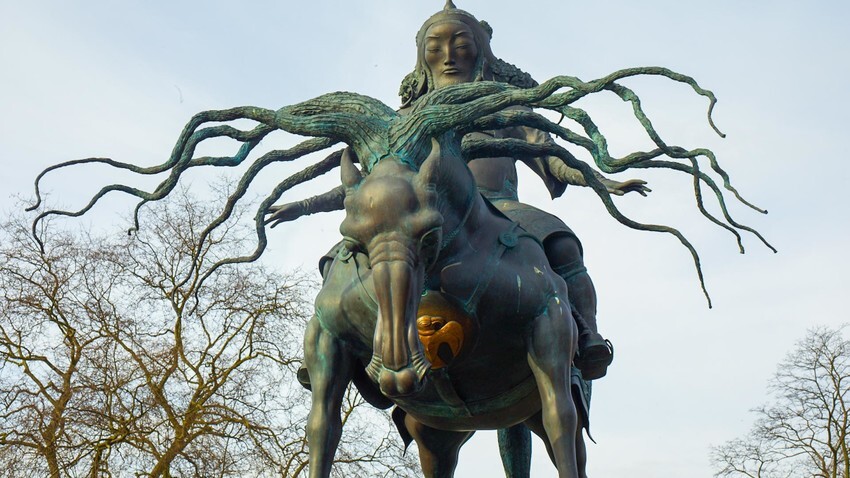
(454, 47)
(435, 239)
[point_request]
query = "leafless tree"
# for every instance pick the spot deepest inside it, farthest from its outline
(45, 336)
(804, 431)
(132, 357)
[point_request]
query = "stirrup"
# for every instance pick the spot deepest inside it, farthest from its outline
(303, 377)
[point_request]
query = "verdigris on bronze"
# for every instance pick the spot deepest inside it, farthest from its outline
(436, 301)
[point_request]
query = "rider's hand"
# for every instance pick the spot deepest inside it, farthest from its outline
(284, 213)
(632, 185)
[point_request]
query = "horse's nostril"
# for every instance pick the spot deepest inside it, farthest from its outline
(401, 383)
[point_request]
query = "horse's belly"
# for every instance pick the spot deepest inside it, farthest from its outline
(491, 387)
(508, 408)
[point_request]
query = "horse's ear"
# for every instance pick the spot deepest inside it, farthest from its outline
(430, 168)
(350, 175)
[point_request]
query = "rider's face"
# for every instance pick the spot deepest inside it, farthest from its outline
(450, 53)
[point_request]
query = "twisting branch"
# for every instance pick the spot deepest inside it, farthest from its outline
(641, 159)
(341, 116)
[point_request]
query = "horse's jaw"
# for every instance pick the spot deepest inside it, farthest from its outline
(398, 362)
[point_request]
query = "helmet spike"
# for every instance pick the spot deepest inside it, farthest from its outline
(450, 5)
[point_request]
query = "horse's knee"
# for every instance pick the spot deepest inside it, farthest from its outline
(319, 420)
(565, 414)
(326, 304)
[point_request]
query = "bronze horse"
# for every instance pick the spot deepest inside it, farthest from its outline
(420, 226)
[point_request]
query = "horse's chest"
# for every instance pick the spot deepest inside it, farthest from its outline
(346, 305)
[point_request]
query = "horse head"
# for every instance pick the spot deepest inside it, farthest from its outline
(394, 215)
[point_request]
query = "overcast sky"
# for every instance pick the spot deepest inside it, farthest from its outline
(120, 79)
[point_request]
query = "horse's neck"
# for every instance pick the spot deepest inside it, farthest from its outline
(468, 220)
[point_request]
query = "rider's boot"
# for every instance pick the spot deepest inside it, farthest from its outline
(595, 353)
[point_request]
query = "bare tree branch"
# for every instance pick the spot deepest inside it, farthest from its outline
(804, 431)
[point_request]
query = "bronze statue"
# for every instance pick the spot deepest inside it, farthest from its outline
(454, 47)
(436, 301)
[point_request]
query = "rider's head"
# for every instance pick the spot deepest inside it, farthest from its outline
(450, 53)
(454, 47)
(461, 36)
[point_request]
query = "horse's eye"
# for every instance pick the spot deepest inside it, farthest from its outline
(353, 245)
(429, 246)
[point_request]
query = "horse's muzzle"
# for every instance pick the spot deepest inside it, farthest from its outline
(399, 363)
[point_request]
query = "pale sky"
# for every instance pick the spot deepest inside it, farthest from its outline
(120, 79)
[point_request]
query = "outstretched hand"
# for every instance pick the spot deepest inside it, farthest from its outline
(632, 185)
(284, 213)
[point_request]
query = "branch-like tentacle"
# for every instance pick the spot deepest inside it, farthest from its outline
(313, 116)
(470, 100)
(692, 170)
(180, 160)
(628, 95)
(177, 153)
(640, 159)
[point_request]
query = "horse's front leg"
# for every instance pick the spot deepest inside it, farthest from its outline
(330, 369)
(551, 346)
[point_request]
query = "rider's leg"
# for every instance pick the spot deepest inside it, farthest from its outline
(438, 449)
(565, 257)
(515, 448)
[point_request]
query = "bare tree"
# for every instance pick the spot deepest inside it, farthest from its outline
(46, 334)
(134, 357)
(804, 431)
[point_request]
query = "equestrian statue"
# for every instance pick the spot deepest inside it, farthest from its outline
(447, 298)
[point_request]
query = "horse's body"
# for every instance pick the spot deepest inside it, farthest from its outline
(409, 231)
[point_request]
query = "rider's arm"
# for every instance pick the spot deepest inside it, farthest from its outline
(555, 166)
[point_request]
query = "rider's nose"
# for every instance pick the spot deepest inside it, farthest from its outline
(449, 57)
